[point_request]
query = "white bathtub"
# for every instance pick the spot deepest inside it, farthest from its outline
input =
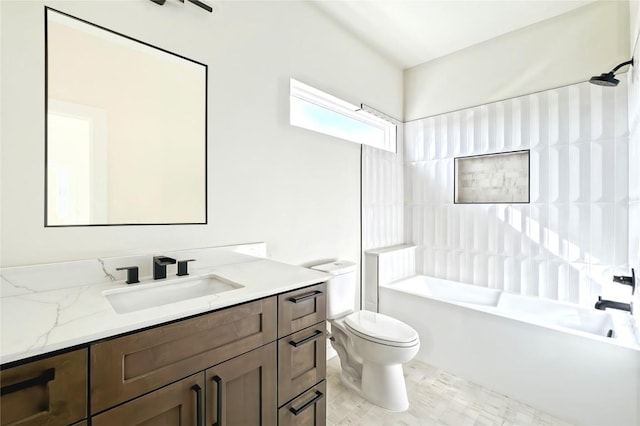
(554, 356)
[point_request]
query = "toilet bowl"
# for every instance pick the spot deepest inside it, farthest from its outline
(372, 347)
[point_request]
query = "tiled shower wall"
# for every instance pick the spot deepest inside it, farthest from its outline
(382, 196)
(572, 236)
(382, 208)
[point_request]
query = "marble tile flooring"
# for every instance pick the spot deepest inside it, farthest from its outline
(435, 398)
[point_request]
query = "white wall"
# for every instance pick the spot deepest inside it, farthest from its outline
(294, 189)
(634, 23)
(567, 49)
(634, 152)
(634, 149)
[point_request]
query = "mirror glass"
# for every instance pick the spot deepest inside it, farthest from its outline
(126, 129)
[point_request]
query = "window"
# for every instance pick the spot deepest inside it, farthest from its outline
(315, 110)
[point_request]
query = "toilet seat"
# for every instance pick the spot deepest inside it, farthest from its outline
(381, 329)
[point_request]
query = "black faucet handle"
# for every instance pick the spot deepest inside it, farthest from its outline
(132, 274)
(182, 267)
(627, 280)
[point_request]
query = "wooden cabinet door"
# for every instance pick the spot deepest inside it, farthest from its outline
(48, 392)
(301, 361)
(178, 404)
(126, 367)
(308, 409)
(301, 308)
(242, 391)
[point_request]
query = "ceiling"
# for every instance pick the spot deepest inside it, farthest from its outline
(411, 32)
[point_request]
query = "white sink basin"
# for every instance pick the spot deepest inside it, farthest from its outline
(143, 296)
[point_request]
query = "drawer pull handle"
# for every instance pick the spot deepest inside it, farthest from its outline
(198, 390)
(318, 397)
(306, 296)
(41, 380)
(218, 381)
(314, 336)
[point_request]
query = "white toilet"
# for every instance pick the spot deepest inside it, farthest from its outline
(372, 347)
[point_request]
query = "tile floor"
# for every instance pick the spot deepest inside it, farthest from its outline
(435, 398)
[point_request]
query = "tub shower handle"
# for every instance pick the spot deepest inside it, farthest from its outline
(314, 336)
(198, 390)
(318, 397)
(218, 381)
(630, 281)
(306, 296)
(44, 378)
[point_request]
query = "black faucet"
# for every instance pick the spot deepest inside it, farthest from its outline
(160, 266)
(621, 279)
(604, 304)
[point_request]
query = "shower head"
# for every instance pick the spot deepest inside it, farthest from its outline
(609, 79)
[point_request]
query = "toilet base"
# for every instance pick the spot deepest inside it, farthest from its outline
(384, 386)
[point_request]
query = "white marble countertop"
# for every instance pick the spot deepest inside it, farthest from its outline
(35, 322)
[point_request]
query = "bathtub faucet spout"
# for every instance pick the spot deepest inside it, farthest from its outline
(604, 304)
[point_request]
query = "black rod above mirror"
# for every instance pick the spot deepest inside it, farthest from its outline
(196, 2)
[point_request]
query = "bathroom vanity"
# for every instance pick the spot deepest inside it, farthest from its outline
(250, 360)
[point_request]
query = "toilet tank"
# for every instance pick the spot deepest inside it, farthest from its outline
(341, 288)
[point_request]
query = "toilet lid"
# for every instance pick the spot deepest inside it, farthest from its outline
(381, 328)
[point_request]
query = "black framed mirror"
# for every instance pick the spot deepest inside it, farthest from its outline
(126, 129)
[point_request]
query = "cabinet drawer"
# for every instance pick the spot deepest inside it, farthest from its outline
(128, 366)
(177, 404)
(301, 361)
(309, 409)
(301, 309)
(51, 391)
